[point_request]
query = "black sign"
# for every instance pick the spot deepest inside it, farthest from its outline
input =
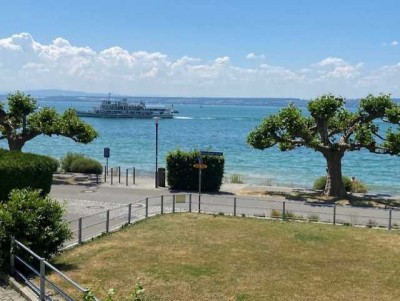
(205, 153)
(106, 152)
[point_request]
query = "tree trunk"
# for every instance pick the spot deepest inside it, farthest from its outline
(15, 144)
(334, 184)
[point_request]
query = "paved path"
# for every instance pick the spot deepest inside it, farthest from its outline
(83, 201)
(7, 294)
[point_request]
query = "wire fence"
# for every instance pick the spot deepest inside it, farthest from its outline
(91, 226)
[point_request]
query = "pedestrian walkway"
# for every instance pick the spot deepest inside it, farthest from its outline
(7, 294)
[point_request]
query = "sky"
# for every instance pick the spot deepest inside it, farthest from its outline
(207, 48)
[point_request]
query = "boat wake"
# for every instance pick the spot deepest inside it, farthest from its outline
(182, 117)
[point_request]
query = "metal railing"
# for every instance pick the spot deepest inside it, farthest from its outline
(33, 273)
(88, 227)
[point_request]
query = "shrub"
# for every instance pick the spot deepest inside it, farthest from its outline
(276, 213)
(34, 220)
(67, 160)
(86, 165)
(349, 185)
(73, 162)
(313, 218)
(236, 178)
(357, 186)
(22, 170)
(183, 175)
(2, 151)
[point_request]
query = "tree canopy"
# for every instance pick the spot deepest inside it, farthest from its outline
(23, 121)
(332, 130)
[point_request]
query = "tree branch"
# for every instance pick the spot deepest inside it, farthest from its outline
(379, 136)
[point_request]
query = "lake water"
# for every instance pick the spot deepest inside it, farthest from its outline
(221, 128)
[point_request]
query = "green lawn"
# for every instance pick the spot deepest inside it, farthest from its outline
(204, 257)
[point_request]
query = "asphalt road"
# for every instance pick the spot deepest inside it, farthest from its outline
(82, 201)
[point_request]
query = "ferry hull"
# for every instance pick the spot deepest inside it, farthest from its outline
(131, 116)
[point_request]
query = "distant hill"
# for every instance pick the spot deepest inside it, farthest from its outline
(76, 96)
(55, 92)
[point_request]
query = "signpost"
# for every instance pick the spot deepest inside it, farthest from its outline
(202, 166)
(106, 155)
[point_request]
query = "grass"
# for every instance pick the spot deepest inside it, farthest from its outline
(236, 179)
(205, 257)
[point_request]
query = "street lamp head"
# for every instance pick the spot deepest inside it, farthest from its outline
(156, 119)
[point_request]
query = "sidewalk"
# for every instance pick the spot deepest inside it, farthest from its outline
(7, 294)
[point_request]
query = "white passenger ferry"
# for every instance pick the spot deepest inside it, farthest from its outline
(123, 109)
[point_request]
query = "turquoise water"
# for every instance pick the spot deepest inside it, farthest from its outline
(219, 127)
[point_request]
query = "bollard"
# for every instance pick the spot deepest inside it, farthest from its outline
(126, 176)
(147, 207)
(134, 176)
(173, 203)
(234, 206)
(284, 211)
(119, 174)
(390, 220)
(108, 221)
(199, 203)
(80, 231)
(129, 213)
(112, 176)
(162, 204)
(190, 202)
(334, 214)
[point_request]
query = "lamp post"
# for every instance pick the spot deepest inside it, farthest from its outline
(156, 173)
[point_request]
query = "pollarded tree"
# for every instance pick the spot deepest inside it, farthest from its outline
(332, 130)
(23, 121)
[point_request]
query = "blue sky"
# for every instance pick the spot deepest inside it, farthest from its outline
(360, 37)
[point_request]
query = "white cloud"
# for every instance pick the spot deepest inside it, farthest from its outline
(392, 44)
(331, 61)
(253, 56)
(333, 67)
(28, 64)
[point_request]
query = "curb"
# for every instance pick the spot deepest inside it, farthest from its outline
(23, 290)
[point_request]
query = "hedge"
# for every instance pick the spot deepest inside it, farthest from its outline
(182, 175)
(22, 170)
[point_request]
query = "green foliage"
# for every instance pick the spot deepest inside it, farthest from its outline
(138, 294)
(67, 160)
(86, 165)
(20, 104)
(358, 187)
(313, 218)
(332, 130)
(34, 220)
(3, 151)
(183, 176)
(24, 121)
(21, 170)
(350, 186)
(236, 178)
(276, 213)
(73, 162)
